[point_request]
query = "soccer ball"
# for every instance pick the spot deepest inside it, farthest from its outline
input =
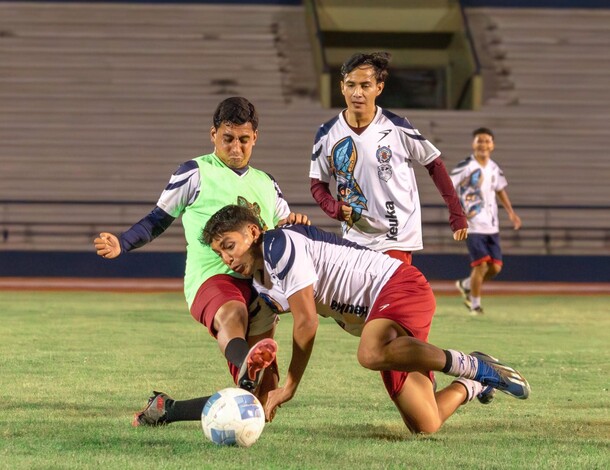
(233, 416)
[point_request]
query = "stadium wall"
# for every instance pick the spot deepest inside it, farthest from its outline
(520, 268)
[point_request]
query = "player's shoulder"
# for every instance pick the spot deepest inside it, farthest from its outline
(463, 164)
(279, 250)
(186, 167)
(325, 128)
(398, 121)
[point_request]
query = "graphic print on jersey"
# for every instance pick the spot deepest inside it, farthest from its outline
(255, 208)
(470, 194)
(342, 161)
(384, 170)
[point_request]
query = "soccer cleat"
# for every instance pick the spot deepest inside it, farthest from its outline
(465, 293)
(155, 413)
(487, 395)
(492, 372)
(475, 312)
(260, 356)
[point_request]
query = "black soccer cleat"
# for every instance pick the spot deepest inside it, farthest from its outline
(155, 412)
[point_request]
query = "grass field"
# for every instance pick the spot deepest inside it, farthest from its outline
(75, 366)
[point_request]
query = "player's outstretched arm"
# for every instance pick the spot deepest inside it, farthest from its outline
(107, 245)
(303, 308)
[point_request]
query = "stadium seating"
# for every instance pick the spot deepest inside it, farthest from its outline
(100, 102)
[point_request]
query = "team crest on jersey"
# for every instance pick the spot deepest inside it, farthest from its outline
(384, 170)
(469, 192)
(342, 161)
(254, 207)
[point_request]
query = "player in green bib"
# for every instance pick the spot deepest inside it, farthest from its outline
(218, 297)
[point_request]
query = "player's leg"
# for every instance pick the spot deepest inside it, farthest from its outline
(423, 410)
(221, 304)
(162, 409)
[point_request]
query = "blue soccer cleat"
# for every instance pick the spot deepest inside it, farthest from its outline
(501, 377)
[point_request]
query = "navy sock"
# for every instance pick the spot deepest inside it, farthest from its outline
(236, 351)
(185, 410)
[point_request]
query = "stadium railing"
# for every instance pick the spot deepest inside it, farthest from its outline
(42, 225)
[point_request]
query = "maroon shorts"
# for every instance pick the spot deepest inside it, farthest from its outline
(406, 299)
(217, 291)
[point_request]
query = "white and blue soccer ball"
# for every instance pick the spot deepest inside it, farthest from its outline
(233, 416)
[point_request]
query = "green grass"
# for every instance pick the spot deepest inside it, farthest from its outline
(75, 366)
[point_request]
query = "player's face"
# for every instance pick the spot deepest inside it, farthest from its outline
(361, 89)
(483, 144)
(233, 143)
(237, 251)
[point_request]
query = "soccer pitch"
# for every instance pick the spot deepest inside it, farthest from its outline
(77, 365)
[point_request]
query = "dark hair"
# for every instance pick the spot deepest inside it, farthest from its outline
(228, 219)
(378, 60)
(483, 130)
(235, 110)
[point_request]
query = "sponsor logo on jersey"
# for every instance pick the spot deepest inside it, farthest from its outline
(341, 307)
(390, 214)
(384, 134)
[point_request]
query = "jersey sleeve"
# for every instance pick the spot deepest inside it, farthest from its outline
(501, 181)
(319, 167)
(182, 189)
(288, 262)
(418, 147)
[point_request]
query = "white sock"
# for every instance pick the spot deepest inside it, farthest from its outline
(466, 283)
(475, 301)
(473, 388)
(462, 365)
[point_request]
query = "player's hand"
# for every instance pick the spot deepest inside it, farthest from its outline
(346, 212)
(296, 219)
(107, 245)
(275, 399)
(516, 220)
(460, 235)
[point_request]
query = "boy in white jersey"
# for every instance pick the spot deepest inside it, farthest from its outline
(386, 302)
(217, 297)
(370, 153)
(478, 180)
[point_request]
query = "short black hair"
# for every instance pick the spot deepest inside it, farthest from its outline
(483, 130)
(235, 110)
(378, 60)
(228, 219)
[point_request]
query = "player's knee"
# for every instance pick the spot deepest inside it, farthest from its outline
(231, 315)
(429, 427)
(369, 358)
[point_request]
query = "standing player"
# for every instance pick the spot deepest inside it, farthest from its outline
(218, 297)
(317, 272)
(478, 180)
(370, 153)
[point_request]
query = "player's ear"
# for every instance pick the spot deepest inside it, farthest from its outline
(212, 134)
(254, 231)
(380, 86)
(255, 136)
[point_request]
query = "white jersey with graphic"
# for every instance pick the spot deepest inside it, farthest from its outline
(374, 174)
(476, 186)
(346, 277)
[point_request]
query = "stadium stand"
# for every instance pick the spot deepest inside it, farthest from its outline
(100, 102)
